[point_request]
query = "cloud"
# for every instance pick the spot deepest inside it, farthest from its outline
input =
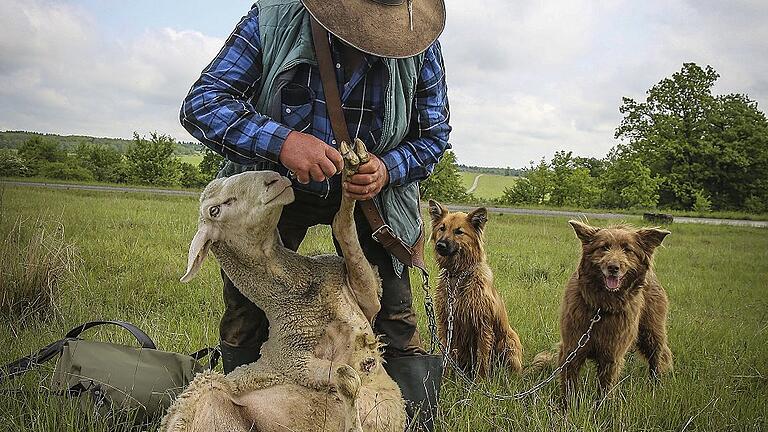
(57, 73)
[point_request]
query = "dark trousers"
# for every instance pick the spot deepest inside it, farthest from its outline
(244, 325)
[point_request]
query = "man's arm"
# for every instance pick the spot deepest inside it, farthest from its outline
(217, 111)
(427, 139)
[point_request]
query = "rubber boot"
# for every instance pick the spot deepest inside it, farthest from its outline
(232, 356)
(419, 378)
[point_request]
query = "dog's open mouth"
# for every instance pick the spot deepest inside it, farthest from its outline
(612, 283)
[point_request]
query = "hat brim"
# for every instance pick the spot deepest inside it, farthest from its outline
(378, 29)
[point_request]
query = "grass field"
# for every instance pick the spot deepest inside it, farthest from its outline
(489, 186)
(194, 159)
(133, 249)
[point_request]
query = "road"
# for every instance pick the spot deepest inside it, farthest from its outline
(474, 184)
(505, 210)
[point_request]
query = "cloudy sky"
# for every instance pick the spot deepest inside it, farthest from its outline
(526, 78)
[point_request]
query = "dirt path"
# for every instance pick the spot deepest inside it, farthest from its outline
(474, 184)
(505, 210)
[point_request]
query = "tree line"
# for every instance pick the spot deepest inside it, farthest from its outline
(148, 160)
(683, 148)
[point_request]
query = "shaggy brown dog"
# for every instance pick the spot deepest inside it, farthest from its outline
(615, 275)
(482, 336)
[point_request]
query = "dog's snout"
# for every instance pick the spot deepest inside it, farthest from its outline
(444, 248)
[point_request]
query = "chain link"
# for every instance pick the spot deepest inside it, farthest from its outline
(429, 309)
(451, 300)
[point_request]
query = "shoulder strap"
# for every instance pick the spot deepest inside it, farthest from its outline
(22, 365)
(382, 233)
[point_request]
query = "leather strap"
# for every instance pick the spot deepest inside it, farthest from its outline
(382, 233)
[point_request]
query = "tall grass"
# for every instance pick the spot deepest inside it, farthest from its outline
(35, 258)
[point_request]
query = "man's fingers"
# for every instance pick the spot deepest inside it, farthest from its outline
(335, 157)
(316, 173)
(369, 167)
(363, 179)
(329, 169)
(302, 177)
(359, 189)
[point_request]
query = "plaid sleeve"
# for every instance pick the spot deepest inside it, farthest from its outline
(217, 111)
(427, 139)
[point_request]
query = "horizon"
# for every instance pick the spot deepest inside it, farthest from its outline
(539, 78)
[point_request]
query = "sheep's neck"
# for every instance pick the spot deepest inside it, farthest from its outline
(261, 257)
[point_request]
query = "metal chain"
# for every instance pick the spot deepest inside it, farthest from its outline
(429, 309)
(517, 396)
(450, 304)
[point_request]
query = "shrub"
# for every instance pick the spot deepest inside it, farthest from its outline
(152, 161)
(34, 261)
(11, 165)
(445, 182)
(701, 202)
(68, 170)
(522, 192)
(210, 164)
(191, 177)
(104, 162)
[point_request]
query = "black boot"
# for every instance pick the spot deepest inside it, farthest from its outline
(232, 356)
(419, 379)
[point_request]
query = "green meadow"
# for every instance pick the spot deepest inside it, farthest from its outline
(129, 251)
(489, 186)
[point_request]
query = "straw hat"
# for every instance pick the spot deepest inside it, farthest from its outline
(384, 28)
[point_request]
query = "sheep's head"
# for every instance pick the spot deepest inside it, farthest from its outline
(244, 205)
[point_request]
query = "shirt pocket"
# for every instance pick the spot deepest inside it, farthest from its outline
(297, 106)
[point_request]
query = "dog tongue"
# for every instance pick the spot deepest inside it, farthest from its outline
(612, 282)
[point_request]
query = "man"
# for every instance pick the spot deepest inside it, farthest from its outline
(261, 104)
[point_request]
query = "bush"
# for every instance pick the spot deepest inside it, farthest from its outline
(445, 182)
(627, 183)
(36, 152)
(701, 202)
(191, 177)
(210, 165)
(152, 161)
(33, 267)
(522, 192)
(69, 170)
(11, 165)
(104, 162)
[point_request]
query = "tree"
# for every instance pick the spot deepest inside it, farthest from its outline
(152, 161)
(11, 165)
(191, 177)
(572, 185)
(445, 182)
(210, 164)
(627, 183)
(106, 163)
(699, 145)
(37, 151)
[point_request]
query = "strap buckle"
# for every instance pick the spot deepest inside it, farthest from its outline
(375, 234)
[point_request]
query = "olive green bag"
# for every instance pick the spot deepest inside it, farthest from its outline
(113, 379)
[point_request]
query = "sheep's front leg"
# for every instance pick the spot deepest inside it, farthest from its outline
(361, 278)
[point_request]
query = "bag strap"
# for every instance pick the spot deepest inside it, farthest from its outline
(24, 364)
(144, 340)
(213, 360)
(382, 233)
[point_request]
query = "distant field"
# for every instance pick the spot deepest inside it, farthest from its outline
(194, 159)
(133, 249)
(489, 186)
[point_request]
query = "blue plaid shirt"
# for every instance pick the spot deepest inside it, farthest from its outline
(219, 112)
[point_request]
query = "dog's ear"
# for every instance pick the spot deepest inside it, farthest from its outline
(651, 238)
(198, 251)
(436, 211)
(584, 232)
(478, 218)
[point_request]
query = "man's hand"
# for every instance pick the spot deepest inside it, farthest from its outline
(370, 179)
(309, 158)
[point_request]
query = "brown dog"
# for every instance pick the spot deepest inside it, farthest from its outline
(482, 336)
(615, 275)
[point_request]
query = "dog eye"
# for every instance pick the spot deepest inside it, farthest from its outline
(214, 211)
(458, 231)
(442, 228)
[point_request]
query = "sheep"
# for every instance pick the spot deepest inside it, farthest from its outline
(321, 368)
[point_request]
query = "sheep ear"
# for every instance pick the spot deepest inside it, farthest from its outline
(198, 250)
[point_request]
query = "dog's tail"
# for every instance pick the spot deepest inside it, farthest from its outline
(545, 360)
